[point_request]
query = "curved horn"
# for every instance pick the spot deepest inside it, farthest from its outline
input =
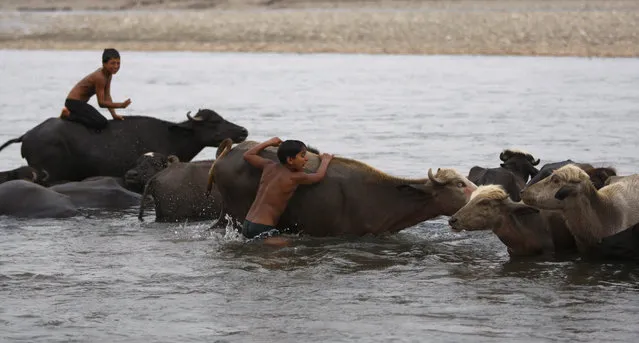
(46, 175)
(188, 115)
(503, 156)
(434, 180)
(534, 163)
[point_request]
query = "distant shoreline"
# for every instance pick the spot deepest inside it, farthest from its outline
(596, 28)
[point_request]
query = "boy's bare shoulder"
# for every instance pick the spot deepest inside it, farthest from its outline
(97, 76)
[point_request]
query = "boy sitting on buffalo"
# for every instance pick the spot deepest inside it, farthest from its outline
(76, 107)
(278, 183)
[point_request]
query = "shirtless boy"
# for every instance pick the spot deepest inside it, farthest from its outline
(76, 107)
(278, 182)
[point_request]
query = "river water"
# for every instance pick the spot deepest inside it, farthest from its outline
(105, 277)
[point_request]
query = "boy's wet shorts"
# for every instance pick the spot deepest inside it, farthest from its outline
(254, 230)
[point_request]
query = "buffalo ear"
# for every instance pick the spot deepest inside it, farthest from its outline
(565, 192)
(172, 159)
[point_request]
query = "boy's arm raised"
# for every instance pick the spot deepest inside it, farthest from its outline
(307, 179)
(103, 101)
(257, 161)
(107, 91)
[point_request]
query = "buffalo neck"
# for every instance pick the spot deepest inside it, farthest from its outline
(522, 174)
(522, 239)
(401, 210)
(185, 149)
(586, 218)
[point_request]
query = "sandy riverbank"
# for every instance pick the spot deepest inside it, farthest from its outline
(514, 27)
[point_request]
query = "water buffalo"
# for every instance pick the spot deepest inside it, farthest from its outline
(71, 152)
(622, 246)
(512, 183)
(524, 230)
(512, 174)
(100, 192)
(598, 176)
(353, 198)
(520, 162)
(25, 173)
(179, 193)
(590, 214)
(145, 167)
(20, 198)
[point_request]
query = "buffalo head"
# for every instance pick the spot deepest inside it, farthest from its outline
(485, 209)
(447, 190)
(211, 129)
(520, 163)
(145, 167)
(26, 173)
(552, 193)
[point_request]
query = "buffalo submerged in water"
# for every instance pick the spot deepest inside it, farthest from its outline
(353, 198)
(69, 151)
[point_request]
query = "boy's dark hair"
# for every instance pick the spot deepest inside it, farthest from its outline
(109, 54)
(289, 148)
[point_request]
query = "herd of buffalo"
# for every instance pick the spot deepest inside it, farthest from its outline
(563, 208)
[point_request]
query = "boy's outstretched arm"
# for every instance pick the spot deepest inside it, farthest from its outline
(307, 179)
(252, 157)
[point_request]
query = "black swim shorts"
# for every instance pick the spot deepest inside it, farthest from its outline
(252, 230)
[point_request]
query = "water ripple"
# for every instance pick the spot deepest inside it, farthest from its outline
(105, 277)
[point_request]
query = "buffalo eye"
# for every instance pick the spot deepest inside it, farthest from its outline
(460, 184)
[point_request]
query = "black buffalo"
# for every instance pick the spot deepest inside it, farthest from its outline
(498, 176)
(179, 193)
(69, 151)
(520, 163)
(598, 176)
(145, 167)
(517, 167)
(99, 192)
(622, 246)
(25, 173)
(25, 199)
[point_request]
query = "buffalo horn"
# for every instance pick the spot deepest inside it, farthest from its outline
(46, 175)
(503, 156)
(433, 179)
(196, 118)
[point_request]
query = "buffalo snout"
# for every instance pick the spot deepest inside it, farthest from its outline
(131, 175)
(453, 222)
(132, 178)
(243, 135)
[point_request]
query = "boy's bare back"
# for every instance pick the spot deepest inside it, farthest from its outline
(280, 180)
(275, 190)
